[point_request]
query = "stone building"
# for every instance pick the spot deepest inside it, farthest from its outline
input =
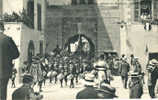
(96, 19)
(113, 25)
(30, 40)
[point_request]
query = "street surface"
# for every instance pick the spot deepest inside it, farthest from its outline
(53, 91)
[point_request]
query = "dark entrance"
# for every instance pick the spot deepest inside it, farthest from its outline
(31, 51)
(80, 46)
(153, 56)
(41, 47)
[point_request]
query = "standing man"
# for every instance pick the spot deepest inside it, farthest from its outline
(8, 52)
(124, 69)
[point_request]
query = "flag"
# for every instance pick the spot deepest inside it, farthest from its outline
(147, 54)
(146, 50)
(129, 45)
(86, 46)
(74, 46)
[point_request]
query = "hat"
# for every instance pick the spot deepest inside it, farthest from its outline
(134, 75)
(153, 62)
(89, 79)
(27, 78)
(100, 65)
(124, 59)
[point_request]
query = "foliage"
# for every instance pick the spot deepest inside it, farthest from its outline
(21, 17)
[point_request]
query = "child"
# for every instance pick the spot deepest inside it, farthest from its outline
(13, 77)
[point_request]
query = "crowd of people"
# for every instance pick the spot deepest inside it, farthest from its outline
(59, 67)
(96, 74)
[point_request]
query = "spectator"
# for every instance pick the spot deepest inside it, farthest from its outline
(124, 69)
(8, 52)
(26, 92)
(13, 77)
(89, 92)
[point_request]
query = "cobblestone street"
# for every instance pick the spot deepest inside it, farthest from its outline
(54, 91)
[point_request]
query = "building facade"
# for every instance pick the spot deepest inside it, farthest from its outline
(140, 40)
(28, 36)
(95, 19)
(113, 25)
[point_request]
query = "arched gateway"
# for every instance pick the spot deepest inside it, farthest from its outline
(80, 46)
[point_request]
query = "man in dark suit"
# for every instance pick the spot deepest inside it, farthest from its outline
(8, 52)
(124, 69)
(89, 92)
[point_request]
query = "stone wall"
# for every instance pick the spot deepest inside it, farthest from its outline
(98, 22)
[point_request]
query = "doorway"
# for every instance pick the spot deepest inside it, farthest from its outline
(153, 56)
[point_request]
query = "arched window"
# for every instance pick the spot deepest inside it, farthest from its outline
(31, 51)
(39, 17)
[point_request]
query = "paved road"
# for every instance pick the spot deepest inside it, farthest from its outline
(54, 91)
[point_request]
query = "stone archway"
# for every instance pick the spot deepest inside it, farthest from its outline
(81, 46)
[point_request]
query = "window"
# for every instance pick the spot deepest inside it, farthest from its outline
(30, 11)
(1, 7)
(136, 10)
(90, 1)
(82, 1)
(145, 9)
(74, 2)
(39, 16)
(155, 12)
(142, 10)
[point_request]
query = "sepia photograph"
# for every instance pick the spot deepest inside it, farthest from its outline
(78, 49)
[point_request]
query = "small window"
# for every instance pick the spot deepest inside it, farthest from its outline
(74, 2)
(39, 17)
(145, 9)
(155, 10)
(1, 7)
(90, 1)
